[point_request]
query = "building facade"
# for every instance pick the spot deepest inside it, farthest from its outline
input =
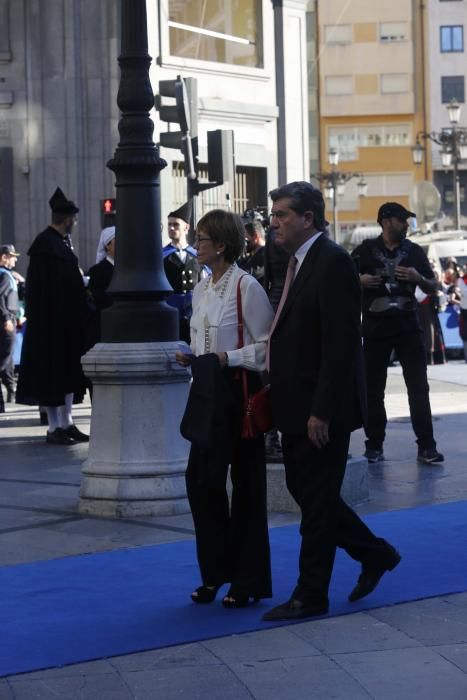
(371, 100)
(59, 117)
(447, 68)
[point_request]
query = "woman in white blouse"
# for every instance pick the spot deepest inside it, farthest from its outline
(232, 544)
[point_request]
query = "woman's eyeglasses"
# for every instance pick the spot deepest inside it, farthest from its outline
(198, 240)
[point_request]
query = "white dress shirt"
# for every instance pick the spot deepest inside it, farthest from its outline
(214, 324)
(303, 250)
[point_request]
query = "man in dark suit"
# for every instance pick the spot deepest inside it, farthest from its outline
(317, 394)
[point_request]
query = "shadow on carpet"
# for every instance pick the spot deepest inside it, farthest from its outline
(65, 611)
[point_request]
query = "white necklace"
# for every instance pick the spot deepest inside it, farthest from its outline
(222, 288)
(220, 292)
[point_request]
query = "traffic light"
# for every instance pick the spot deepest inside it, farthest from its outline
(182, 111)
(221, 156)
(108, 211)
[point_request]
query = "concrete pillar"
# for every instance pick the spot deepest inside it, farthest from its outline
(137, 457)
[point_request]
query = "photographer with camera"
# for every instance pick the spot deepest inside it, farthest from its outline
(390, 269)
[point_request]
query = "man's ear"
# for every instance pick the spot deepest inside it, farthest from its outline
(308, 220)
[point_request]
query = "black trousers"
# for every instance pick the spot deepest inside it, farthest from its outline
(232, 543)
(411, 354)
(7, 370)
(314, 478)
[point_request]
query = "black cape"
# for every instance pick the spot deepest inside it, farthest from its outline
(56, 312)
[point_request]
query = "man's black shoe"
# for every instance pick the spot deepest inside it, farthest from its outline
(429, 456)
(58, 437)
(374, 454)
(370, 577)
(294, 609)
(73, 432)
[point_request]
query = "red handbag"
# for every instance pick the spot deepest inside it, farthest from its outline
(257, 416)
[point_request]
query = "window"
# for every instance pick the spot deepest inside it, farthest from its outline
(393, 31)
(449, 194)
(394, 83)
(451, 38)
(338, 34)
(339, 85)
(222, 31)
(347, 140)
(452, 88)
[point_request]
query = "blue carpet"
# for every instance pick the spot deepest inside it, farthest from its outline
(64, 611)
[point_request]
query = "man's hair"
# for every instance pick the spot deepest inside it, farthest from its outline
(58, 217)
(303, 197)
(224, 227)
(255, 226)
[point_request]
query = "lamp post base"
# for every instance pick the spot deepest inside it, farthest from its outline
(137, 457)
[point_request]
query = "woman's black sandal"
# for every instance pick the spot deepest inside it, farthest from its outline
(205, 594)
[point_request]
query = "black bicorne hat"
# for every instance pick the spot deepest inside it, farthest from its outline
(61, 205)
(183, 212)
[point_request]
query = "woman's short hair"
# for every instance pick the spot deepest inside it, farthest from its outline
(224, 227)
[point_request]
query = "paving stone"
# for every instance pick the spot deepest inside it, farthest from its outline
(100, 687)
(350, 633)
(298, 679)
(405, 674)
(89, 668)
(260, 646)
(185, 655)
(455, 653)
(6, 692)
(213, 682)
(432, 621)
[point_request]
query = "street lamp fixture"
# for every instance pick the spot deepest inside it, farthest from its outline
(334, 182)
(453, 142)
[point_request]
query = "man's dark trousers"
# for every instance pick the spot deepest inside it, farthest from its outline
(410, 352)
(314, 478)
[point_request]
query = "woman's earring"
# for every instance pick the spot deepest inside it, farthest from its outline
(218, 252)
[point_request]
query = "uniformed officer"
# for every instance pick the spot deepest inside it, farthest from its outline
(181, 267)
(9, 308)
(390, 269)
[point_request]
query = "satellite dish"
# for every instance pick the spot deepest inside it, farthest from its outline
(425, 201)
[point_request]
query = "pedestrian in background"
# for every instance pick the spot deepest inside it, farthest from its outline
(100, 277)
(390, 268)
(56, 310)
(253, 260)
(232, 543)
(9, 309)
(181, 266)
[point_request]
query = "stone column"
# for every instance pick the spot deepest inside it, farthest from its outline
(137, 456)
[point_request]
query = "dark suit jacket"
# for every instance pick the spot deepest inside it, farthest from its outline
(315, 353)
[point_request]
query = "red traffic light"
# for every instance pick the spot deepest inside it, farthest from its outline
(108, 206)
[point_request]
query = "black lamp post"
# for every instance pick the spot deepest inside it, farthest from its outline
(139, 285)
(453, 141)
(334, 183)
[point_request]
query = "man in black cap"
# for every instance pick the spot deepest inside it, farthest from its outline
(181, 267)
(390, 269)
(56, 310)
(9, 308)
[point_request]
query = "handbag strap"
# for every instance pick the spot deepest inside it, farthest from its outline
(241, 342)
